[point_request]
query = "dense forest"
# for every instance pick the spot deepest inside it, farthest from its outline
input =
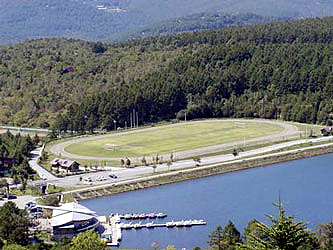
(16, 146)
(277, 70)
(281, 70)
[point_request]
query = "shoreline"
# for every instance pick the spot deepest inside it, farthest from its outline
(198, 172)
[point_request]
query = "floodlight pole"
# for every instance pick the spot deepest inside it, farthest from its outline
(134, 118)
(131, 120)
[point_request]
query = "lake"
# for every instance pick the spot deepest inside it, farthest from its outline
(305, 187)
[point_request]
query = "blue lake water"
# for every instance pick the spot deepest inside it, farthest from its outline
(305, 186)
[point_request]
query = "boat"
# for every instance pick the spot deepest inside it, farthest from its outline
(161, 215)
(138, 225)
(151, 215)
(179, 223)
(135, 216)
(198, 222)
(142, 216)
(187, 223)
(127, 216)
(170, 224)
(150, 224)
(127, 226)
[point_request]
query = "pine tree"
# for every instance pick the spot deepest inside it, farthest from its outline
(284, 234)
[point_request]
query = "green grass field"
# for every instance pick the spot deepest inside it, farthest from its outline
(164, 140)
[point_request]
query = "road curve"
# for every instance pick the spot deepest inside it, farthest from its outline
(288, 131)
(33, 162)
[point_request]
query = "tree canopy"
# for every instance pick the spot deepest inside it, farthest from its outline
(89, 240)
(14, 224)
(276, 70)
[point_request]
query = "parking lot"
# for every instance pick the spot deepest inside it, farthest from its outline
(20, 201)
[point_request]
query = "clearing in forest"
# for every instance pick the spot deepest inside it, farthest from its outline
(174, 138)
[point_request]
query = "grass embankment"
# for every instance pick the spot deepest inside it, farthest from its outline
(182, 137)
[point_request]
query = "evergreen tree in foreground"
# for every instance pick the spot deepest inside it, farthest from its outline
(284, 234)
(226, 238)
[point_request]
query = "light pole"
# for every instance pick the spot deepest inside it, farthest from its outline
(115, 124)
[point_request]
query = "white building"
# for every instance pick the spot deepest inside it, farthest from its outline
(72, 218)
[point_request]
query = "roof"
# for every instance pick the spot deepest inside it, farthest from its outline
(328, 129)
(70, 212)
(62, 162)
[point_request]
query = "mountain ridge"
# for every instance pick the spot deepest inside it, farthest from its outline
(100, 19)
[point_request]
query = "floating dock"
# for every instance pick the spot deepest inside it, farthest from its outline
(137, 216)
(186, 223)
(113, 226)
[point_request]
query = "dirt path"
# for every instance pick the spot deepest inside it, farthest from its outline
(288, 131)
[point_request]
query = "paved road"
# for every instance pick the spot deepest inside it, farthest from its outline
(33, 162)
(288, 131)
(132, 173)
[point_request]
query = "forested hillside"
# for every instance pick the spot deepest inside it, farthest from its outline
(104, 20)
(269, 70)
(195, 22)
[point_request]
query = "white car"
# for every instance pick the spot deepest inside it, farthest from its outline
(101, 178)
(43, 177)
(87, 181)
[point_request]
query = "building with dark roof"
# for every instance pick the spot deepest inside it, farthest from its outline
(64, 165)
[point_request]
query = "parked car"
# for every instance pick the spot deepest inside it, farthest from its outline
(36, 215)
(43, 177)
(36, 210)
(88, 181)
(113, 176)
(101, 178)
(30, 204)
(11, 197)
